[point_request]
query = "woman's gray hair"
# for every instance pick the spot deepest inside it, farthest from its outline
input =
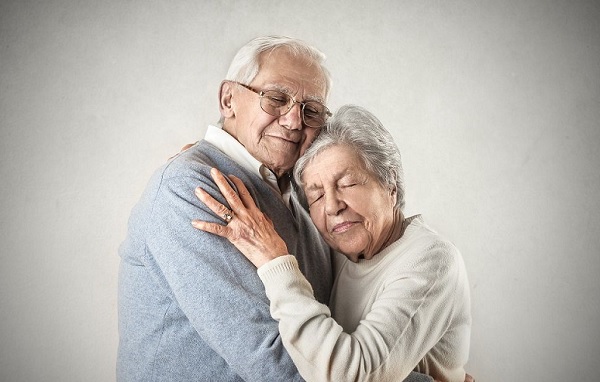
(356, 127)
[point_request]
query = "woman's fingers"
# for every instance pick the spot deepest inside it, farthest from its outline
(214, 228)
(217, 208)
(237, 206)
(226, 190)
(251, 231)
(243, 192)
(214, 205)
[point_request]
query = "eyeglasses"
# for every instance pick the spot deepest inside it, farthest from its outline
(276, 103)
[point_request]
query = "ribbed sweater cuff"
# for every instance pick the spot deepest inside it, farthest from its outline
(274, 269)
(281, 276)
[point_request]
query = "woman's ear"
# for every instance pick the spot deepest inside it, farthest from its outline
(225, 96)
(394, 188)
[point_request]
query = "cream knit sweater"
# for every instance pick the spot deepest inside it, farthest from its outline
(407, 308)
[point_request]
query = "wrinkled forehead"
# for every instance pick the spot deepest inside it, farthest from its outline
(286, 70)
(330, 164)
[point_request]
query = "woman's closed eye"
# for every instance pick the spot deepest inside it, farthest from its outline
(313, 198)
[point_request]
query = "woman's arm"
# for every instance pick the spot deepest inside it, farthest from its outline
(385, 346)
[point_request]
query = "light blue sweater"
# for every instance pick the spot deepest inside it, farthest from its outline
(191, 307)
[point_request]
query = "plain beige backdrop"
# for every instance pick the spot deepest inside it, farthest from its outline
(495, 106)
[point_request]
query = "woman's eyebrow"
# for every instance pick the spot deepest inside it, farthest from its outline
(313, 187)
(340, 176)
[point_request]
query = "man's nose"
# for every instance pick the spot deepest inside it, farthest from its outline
(293, 118)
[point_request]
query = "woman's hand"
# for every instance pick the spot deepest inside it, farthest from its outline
(246, 227)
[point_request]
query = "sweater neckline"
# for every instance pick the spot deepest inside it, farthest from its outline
(411, 224)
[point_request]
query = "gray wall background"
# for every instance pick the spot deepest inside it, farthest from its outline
(494, 105)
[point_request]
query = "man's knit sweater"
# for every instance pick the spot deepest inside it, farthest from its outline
(191, 307)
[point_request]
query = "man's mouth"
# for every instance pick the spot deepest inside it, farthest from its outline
(293, 140)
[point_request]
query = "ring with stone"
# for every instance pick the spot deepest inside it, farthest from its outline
(228, 216)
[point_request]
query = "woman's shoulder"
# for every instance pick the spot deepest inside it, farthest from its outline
(426, 245)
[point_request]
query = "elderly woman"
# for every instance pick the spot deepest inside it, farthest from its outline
(400, 301)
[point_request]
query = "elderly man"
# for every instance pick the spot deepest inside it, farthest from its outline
(191, 307)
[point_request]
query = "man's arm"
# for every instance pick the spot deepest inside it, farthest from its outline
(216, 287)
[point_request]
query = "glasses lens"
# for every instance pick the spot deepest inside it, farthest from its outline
(275, 103)
(314, 114)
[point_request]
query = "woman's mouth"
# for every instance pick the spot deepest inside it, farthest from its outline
(342, 227)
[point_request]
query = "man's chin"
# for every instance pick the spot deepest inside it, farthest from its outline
(280, 169)
(281, 162)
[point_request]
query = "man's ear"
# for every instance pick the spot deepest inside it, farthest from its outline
(225, 95)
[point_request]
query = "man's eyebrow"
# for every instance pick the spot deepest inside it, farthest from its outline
(311, 97)
(287, 90)
(319, 99)
(281, 88)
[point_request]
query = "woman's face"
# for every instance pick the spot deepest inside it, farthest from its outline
(353, 212)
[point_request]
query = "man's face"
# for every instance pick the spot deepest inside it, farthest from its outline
(277, 142)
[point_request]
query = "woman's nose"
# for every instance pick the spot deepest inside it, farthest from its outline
(333, 204)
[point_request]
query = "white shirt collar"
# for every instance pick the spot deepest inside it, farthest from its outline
(236, 151)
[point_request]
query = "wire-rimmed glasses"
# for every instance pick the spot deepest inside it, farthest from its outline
(276, 103)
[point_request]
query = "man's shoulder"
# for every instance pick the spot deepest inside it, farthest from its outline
(193, 163)
(197, 159)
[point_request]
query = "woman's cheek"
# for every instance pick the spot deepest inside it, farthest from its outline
(317, 216)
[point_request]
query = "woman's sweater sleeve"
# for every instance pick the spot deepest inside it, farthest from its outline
(309, 333)
(386, 346)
